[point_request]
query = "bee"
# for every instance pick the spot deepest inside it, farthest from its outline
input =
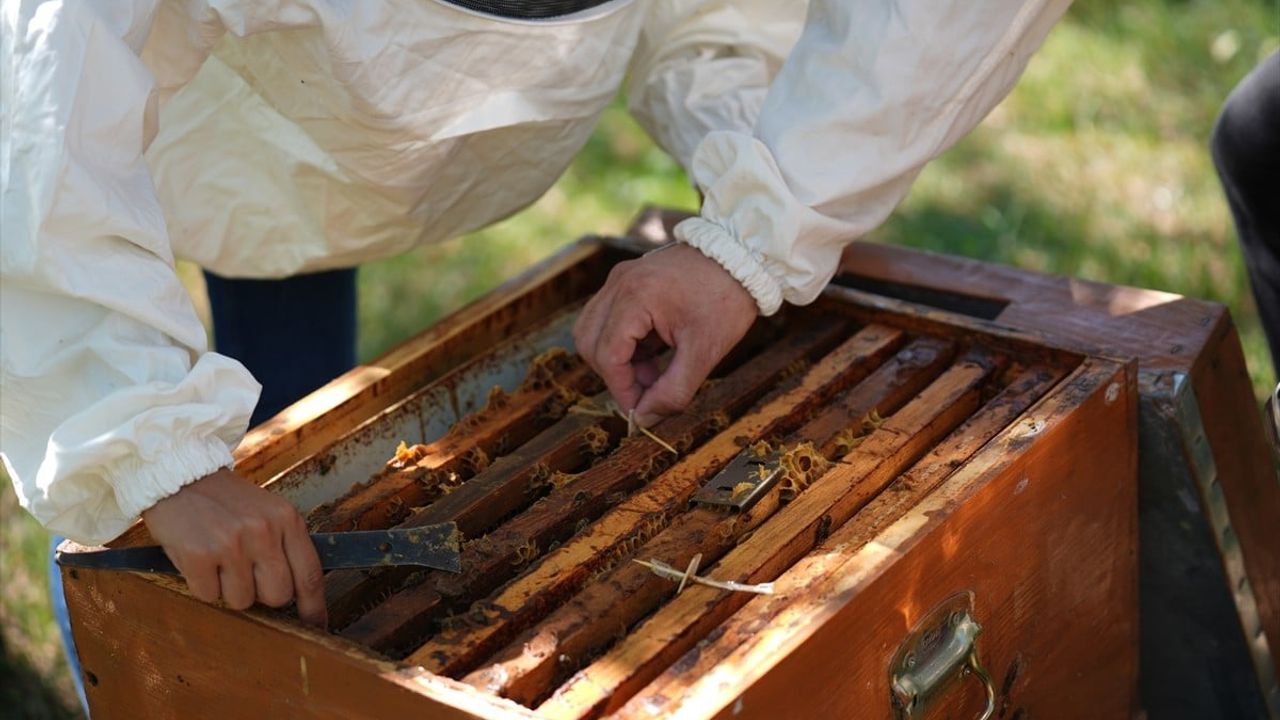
(405, 454)
(539, 478)
(795, 368)
(525, 553)
(761, 449)
(475, 460)
(498, 399)
(595, 441)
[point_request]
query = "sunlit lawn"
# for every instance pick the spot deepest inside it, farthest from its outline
(1096, 167)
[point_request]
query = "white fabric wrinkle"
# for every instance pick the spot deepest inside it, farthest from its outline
(293, 137)
(890, 87)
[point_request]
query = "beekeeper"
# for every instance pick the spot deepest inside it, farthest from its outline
(265, 140)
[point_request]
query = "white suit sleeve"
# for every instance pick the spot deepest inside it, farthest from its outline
(704, 65)
(872, 91)
(109, 399)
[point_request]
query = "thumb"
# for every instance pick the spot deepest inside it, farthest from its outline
(675, 388)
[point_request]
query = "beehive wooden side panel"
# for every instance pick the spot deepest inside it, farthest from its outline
(156, 652)
(149, 650)
(1040, 526)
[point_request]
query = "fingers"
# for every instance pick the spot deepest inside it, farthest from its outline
(608, 332)
(657, 297)
(626, 327)
(306, 574)
(200, 569)
(646, 361)
(233, 540)
(675, 388)
(586, 329)
(238, 589)
(236, 552)
(272, 577)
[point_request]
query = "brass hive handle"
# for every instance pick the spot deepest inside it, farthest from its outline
(939, 651)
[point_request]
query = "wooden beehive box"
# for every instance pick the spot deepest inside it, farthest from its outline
(946, 474)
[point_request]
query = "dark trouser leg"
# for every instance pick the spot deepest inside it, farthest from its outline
(1246, 151)
(294, 334)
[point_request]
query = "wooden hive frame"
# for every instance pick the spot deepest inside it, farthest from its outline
(308, 673)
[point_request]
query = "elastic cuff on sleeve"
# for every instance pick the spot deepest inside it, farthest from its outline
(139, 484)
(719, 244)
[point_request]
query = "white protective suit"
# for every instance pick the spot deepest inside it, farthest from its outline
(263, 138)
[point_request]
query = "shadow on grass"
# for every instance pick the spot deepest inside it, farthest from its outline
(25, 693)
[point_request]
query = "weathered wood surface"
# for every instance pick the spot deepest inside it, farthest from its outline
(526, 670)
(306, 427)
(514, 480)
(233, 644)
(150, 650)
(490, 561)
(1043, 534)
(511, 483)
(781, 541)
(563, 571)
(428, 471)
(821, 564)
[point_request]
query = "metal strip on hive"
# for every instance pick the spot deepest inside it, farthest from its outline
(1182, 494)
(742, 482)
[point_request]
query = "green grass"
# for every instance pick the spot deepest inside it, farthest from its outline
(1096, 166)
(36, 683)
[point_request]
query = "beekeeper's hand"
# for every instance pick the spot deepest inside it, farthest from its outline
(233, 540)
(676, 298)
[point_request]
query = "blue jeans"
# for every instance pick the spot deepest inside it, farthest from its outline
(63, 618)
(294, 335)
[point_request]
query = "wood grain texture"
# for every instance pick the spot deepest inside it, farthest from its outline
(429, 471)
(526, 670)
(806, 577)
(323, 416)
(149, 650)
(510, 484)
(781, 541)
(563, 571)
(490, 561)
(1042, 533)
